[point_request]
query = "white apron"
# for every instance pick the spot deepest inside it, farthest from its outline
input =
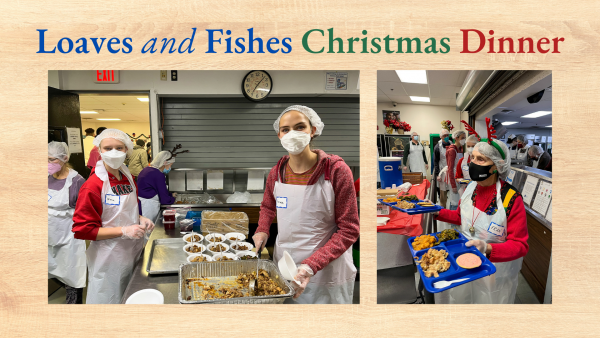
(464, 167)
(512, 152)
(150, 207)
(452, 197)
(522, 153)
(415, 159)
(111, 261)
(66, 255)
(501, 287)
(443, 185)
(306, 222)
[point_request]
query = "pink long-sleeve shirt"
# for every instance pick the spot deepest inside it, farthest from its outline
(346, 209)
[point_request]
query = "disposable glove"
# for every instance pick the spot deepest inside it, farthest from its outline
(303, 276)
(479, 244)
(260, 240)
(147, 224)
(134, 231)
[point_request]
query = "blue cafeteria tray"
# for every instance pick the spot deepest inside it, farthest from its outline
(416, 210)
(454, 248)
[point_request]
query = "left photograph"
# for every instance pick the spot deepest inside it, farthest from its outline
(203, 187)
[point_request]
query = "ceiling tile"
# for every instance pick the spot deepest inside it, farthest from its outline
(416, 89)
(391, 88)
(387, 75)
(443, 77)
(444, 92)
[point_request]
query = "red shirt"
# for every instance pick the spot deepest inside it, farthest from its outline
(94, 158)
(87, 219)
(516, 227)
(459, 174)
(346, 210)
(451, 152)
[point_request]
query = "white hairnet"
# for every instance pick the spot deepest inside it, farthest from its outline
(414, 133)
(457, 133)
(536, 150)
(521, 138)
(493, 154)
(59, 150)
(444, 132)
(117, 135)
(314, 119)
(161, 159)
(473, 139)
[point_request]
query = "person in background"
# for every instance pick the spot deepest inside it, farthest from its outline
(491, 215)
(313, 196)
(66, 255)
(152, 184)
(454, 152)
(138, 160)
(439, 152)
(541, 159)
(415, 156)
(523, 150)
(88, 143)
(462, 167)
(107, 213)
(511, 141)
(149, 150)
(94, 155)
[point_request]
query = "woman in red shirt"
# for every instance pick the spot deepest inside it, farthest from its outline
(491, 214)
(312, 194)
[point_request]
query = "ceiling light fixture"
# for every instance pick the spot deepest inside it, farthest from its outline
(143, 99)
(550, 126)
(108, 119)
(412, 76)
(419, 99)
(508, 123)
(88, 112)
(536, 114)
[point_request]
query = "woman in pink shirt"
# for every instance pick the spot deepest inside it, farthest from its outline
(312, 194)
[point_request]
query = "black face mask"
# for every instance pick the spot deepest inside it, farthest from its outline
(479, 172)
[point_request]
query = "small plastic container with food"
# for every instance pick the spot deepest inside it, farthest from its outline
(225, 256)
(241, 246)
(169, 215)
(216, 248)
(193, 237)
(245, 255)
(194, 248)
(215, 238)
(233, 236)
(197, 258)
(169, 225)
(186, 225)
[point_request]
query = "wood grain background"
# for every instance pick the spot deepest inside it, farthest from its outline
(24, 311)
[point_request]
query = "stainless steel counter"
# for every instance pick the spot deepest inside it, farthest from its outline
(167, 284)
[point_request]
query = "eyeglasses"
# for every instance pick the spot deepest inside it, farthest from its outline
(53, 160)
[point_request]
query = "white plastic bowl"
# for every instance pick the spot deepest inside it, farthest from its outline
(214, 234)
(208, 258)
(240, 237)
(203, 248)
(226, 254)
(239, 254)
(246, 244)
(287, 266)
(215, 244)
(190, 235)
(146, 296)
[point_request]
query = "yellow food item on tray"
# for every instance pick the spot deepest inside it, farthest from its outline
(423, 242)
(391, 200)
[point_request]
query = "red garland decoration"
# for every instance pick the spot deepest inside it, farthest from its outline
(470, 129)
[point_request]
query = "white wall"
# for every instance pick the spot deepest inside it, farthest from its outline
(129, 127)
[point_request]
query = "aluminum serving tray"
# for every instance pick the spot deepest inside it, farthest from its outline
(165, 256)
(218, 272)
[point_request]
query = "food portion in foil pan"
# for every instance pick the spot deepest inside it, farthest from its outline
(234, 289)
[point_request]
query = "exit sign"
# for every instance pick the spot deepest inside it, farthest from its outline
(106, 76)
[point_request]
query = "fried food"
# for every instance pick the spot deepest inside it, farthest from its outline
(391, 200)
(425, 204)
(265, 286)
(218, 248)
(447, 235)
(215, 240)
(423, 242)
(196, 239)
(223, 258)
(405, 205)
(194, 249)
(199, 259)
(240, 247)
(235, 239)
(433, 262)
(246, 257)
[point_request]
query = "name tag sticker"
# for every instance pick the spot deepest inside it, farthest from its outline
(111, 199)
(49, 197)
(281, 202)
(496, 229)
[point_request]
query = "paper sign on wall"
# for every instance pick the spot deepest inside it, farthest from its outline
(543, 196)
(549, 213)
(336, 81)
(511, 177)
(195, 180)
(74, 140)
(529, 189)
(214, 180)
(256, 180)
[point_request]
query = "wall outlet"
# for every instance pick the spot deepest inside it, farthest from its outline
(163, 75)
(173, 75)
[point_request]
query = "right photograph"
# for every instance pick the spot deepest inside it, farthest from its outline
(464, 187)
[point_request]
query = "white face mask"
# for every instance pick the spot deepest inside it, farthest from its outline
(462, 142)
(113, 158)
(470, 150)
(295, 141)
